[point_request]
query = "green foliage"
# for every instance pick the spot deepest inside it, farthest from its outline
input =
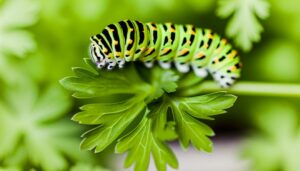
(271, 57)
(61, 35)
(32, 131)
(133, 113)
(13, 17)
(10, 169)
(14, 40)
(87, 167)
(140, 143)
(244, 26)
(162, 81)
(187, 109)
(277, 146)
(287, 13)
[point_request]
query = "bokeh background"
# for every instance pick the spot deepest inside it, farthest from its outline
(41, 40)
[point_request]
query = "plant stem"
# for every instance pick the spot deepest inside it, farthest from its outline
(248, 88)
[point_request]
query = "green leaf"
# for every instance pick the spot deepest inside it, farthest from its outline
(141, 143)
(244, 26)
(113, 124)
(203, 107)
(149, 104)
(189, 79)
(162, 128)
(87, 84)
(162, 81)
(187, 109)
(94, 113)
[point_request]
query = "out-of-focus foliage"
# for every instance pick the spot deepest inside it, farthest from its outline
(14, 17)
(277, 146)
(14, 39)
(285, 18)
(146, 7)
(40, 40)
(278, 61)
(33, 130)
(87, 167)
(148, 100)
(244, 26)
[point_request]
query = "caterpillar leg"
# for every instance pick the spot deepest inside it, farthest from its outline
(101, 64)
(182, 67)
(121, 63)
(224, 81)
(200, 72)
(111, 65)
(165, 64)
(149, 64)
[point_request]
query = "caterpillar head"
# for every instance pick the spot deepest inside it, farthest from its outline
(96, 53)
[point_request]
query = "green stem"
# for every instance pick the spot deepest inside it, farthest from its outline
(248, 88)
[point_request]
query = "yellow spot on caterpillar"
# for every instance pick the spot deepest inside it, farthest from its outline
(224, 41)
(153, 28)
(232, 54)
(172, 30)
(210, 36)
(165, 50)
(192, 32)
(149, 50)
(232, 68)
(205, 45)
(131, 29)
(127, 53)
(111, 30)
(183, 51)
(118, 53)
(219, 50)
(116, 42)
(189, 42)
(105, 50)
(199, 55)
(130, 41)
(216, 60)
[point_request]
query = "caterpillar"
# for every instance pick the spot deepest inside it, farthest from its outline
(185, 46)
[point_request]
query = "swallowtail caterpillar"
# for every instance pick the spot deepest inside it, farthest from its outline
(185, 46)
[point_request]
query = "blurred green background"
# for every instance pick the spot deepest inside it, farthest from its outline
(41, 40)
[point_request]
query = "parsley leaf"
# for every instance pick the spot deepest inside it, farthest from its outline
(112, 122)
(139, 110)
(140, 143)
(88, 84)
(112, 117)
(187, 110)
(244, 26)
(162, 81)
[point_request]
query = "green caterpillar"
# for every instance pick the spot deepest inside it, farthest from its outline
(184, 45)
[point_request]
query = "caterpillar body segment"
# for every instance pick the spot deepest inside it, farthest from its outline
(185, 46)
